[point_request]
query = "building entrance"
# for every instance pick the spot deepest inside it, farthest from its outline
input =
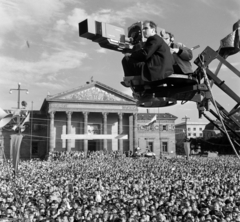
(92, 145)
(34, 149)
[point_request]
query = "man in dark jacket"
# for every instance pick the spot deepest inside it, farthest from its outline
(180, 53)
(154, 61)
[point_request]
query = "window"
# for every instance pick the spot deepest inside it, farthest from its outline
(149, 146)
(189, 134)
(189, 129)
(194, 134)
(165, 147)
(200, 129)
(200, 134)
(194, 129)
(164, 127)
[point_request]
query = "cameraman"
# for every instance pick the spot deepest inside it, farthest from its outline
(153, 61)
(180, 53)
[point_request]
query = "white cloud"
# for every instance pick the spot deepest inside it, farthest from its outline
(16, 14)
(101, 50)
(25, 18)
(50, 85)
(135, 12)
(77, 16)
(49, 64)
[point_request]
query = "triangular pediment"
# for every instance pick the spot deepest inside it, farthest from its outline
(94, 91)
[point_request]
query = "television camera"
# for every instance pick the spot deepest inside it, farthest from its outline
(194, 87)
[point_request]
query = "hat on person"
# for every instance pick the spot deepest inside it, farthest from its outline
(228, 201)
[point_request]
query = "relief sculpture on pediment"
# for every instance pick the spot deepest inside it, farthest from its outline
(93, 94)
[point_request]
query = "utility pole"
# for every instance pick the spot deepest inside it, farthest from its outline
(31, 132)
(186, 144)
(18, 103)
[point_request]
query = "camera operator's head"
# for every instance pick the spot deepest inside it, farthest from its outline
(149, 28)
(168, 37)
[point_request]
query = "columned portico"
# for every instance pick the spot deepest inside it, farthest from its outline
(105, 149)
(52, 133)
(89, 118)
(85, 115)
(120, 131)
(69, 127)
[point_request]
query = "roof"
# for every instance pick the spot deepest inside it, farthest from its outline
(149, 116)
(91, 92)
(191, 123)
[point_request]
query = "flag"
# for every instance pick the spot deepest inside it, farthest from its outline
(5, 118)
(2, 113)
(16, 140)
(152, 120)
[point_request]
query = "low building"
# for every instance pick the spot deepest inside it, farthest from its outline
(191, 129)
(188, 130)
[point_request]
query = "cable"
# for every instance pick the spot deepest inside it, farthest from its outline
(215, 105)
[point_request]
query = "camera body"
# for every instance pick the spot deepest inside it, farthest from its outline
(113, 37)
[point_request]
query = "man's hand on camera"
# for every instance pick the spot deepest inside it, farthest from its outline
(174, 50)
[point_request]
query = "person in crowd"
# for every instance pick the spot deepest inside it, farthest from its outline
(153, 61)
(181, 54)
(103, 188)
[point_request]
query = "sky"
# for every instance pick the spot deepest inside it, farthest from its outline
(40, 45)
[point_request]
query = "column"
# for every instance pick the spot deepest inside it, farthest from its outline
(52, 133)
(1, 146)
(85, 115)
(105, 131)
(130, 135)
(120, 131)
(135, 142)
(69, 129)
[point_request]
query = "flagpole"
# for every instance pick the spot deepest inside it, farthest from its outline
(160, 146)
(31, 133)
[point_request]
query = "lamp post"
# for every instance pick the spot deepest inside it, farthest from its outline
(18, 102)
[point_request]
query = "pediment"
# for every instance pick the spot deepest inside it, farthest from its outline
(92, 92)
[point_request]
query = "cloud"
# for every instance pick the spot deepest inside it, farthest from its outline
(77, 16)
(50, 85)
(23, 13)
(21, 19)
(101, 50)
(134, 12)
(49, 64)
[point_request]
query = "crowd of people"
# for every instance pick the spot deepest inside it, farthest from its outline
(105, 188)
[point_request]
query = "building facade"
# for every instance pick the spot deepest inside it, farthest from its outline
(191, 129)
(93, 117)
(159, 136)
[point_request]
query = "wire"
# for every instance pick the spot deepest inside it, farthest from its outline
(215, 105)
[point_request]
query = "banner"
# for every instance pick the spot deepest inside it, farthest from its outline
(187, 148)
(16, 140)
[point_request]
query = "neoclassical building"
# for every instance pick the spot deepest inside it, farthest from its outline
(94, 117)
